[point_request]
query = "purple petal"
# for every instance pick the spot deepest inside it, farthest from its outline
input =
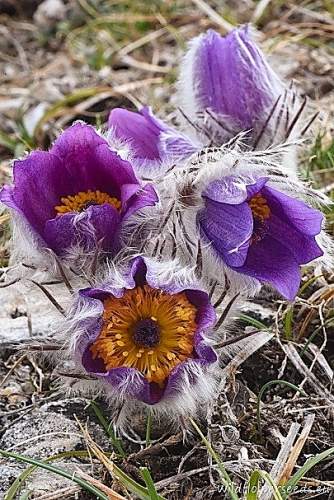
(140, 129)
(98, 225)
(182, 372)
(228, 228)
(149, 138)
(303, 247)
(253, 189)
(204, 352)
(206, 314)
(271, 262)
(134, 385)
(80, 160)
(90, 326)
(231, 77)
(38, 188)
(129, 381)
(231, 190)
(176, 146)
(76, 139)
(88, 162)
(135, 197)
(305, 219)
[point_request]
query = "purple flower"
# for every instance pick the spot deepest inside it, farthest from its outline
(229, 77)
(152, 142)
(145, 340)
(259, 231)
(79, 192)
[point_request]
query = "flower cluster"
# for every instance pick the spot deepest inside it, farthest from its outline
(170, 218)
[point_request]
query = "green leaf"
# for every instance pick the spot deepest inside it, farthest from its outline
(132, 485)
(288, 322)
(148, 429)
(268, 479)
(57, 470)
(17, 484)
(108, 428)
(314, 334)
(308, 283)
(7, 142)
(149, 483)
(253, 486)
(290, 485)
(252, 321)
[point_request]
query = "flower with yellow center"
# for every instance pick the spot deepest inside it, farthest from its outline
(85, 199)
(147, 329)
(76, 197)
(259, 232)
(145, 336)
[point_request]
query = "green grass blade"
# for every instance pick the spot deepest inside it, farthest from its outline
(308, 283)
(67, 102)
(149, 483)
(7, 142)
(148, 429)
(314, 334)
(263, 390)
(253, 486)
(226, 480)
(108, 428)
(268, 479)
(132, 485)
(289, 486)
(17, 484)
(252, 321)
(288, 322)
(57, 470)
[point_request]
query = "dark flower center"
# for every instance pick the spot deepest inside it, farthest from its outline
(146, 333)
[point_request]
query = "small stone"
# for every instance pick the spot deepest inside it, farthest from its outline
(49, 13)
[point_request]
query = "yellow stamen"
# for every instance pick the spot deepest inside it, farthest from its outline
(84, 199)
(259, 207)
(174, 316)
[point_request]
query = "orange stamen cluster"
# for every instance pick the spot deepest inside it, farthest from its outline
(174, 317)
(259, 207)
(84, 199)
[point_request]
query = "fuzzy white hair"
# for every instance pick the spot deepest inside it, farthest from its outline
(30, 257)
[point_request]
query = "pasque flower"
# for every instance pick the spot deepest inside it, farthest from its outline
(77, 193)
(259, 231)
(145, 339)
(151, 141)
(228, 81)
(225, 87)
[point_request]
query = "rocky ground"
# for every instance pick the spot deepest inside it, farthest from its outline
(61, 61)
